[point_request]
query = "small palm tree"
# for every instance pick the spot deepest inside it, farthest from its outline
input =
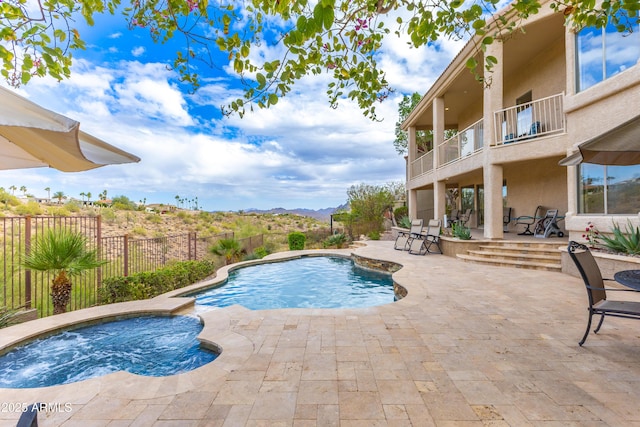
(65, 254)
(230, 249)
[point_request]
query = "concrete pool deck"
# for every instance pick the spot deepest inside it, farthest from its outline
(470, 345)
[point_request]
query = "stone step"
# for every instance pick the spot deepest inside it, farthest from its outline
(511, 263)
(522, 256)
(553, 252)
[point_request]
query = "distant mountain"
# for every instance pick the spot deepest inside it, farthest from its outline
(319, 214)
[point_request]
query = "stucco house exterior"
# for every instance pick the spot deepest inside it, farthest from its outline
(552, 89)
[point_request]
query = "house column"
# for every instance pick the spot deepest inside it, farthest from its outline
(412, 204)
(492, 173)
(439, 187)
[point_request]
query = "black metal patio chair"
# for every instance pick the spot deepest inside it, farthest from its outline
(596, 291)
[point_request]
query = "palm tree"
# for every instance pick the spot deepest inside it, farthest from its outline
(13, 189)
(230, 249)
(59, 195)
(88, 196)
(82, 195)
(65, 254)
(48, 190)
(24, 190)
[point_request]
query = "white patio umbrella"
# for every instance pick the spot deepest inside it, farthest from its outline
(32, 136)
(618, 146)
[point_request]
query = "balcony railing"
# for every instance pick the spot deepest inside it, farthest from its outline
(530, 120)
(421, 165)
(463, 144)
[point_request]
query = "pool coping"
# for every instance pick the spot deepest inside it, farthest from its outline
(234, 348)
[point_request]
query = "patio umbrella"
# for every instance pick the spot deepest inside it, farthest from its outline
(32, 136)
(618, 146)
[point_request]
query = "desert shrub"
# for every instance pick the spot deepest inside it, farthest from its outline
(460, 231)
(296, 241)
(405, 222)
(7, 316)
(150, 284)
(626, 242)
(72, 206)
(400, 212)
(260, 252)
(29, 208)
(153, 218)
(139, 230)
(59, 211)
(108, 215)
(338, 240)
(374, 235)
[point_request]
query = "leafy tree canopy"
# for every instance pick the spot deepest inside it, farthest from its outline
(341, 37)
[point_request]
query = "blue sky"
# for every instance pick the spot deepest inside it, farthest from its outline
(299, 154)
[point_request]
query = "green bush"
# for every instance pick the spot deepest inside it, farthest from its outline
(260, 252)
(460, 231)
(401, 212)
(374, 235)
(296, 241)
(29, 208)
(150, 284)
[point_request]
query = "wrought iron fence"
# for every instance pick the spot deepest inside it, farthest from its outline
(22, 288)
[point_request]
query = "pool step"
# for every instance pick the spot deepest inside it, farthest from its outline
(536, 256)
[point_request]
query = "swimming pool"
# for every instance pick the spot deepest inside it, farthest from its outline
(148, 345)
(307, 282)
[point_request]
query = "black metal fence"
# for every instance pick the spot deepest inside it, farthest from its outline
(126, 255)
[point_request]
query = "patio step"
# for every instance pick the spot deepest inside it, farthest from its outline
(537, 256)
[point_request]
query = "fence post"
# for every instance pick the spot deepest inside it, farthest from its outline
(193, 246)
(27, 272)
(126, 255)
(99, 249)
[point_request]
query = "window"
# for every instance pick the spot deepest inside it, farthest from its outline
(608, 190)
(605, 52)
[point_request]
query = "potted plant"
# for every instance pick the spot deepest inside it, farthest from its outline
(65, 254)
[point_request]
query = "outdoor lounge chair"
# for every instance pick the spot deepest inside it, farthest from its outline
(29, 417)
(548, 225)
(422, 243)
(597, 293)
(402, 241)
(528, 221)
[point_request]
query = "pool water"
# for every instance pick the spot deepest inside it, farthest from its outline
(308, 282)
(149, 345)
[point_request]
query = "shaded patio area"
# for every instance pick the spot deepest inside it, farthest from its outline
(470, 345)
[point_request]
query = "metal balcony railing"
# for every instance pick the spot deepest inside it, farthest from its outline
(421, 165)
(530, 120)
(463, 144)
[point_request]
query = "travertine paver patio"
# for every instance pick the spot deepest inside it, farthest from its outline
(471, 345)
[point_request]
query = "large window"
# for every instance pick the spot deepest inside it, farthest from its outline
(609, 189)
(604, 52)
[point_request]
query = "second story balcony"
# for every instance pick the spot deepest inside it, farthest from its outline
(542, 117)
(462, 144)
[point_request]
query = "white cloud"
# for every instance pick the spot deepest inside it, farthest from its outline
(138, 51)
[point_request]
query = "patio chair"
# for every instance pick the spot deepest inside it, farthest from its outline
(548, 225)
(29, 417)
(402, 241)
(422, 243)
(465, 217)
(453, 217)
(506, 219)
(528, 221)
(597, 293)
